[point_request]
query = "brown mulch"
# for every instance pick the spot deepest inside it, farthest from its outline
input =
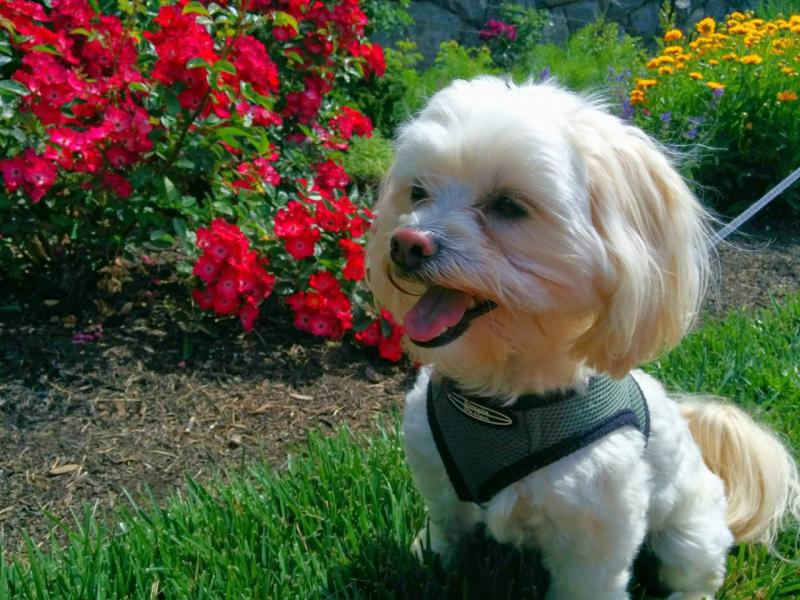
(80, 423)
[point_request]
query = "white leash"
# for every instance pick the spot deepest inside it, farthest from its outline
(755, 207)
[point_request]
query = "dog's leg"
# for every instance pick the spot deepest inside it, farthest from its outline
(693, 542)
(587, 515)
(450, 518)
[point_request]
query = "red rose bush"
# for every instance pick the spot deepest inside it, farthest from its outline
(218, 128)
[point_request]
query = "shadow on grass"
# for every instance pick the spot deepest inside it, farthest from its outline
(485, 569)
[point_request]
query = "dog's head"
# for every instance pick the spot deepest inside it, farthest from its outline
(523, 229)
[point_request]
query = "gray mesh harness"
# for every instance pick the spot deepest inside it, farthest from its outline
(486, 447)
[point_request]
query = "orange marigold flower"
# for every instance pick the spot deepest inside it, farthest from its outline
(637, 97)
(673, 50)
(737, 15)
(795, 29)
(730, 56)
(665, 70)
(752, 59)
(707, 26)
(713, 62)
(695, 75)
(673, 35)
(788, 70)
(715, 85)
(787, 96)
(644, 84)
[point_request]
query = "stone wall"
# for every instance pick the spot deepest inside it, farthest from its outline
(441, 20)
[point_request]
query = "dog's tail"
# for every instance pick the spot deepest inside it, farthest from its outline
(759, 473)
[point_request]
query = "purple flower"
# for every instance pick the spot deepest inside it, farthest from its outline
(692, 133)
(627, 110)
(544, 74)
(666, 117)
(719, 91)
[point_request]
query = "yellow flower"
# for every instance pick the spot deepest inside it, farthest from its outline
(788, 70)
(752, 59)
(673, 35)
(637, 97)
(707, 26)
(715, 85)
(644, 84)
(737, 15)
(795, 29)
(748, 125)
(695, 75)
(730, 56)
(665, 70)
(788, 96)
(713, 62)
(673, 50)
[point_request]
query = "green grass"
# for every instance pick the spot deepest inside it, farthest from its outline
(339, 520)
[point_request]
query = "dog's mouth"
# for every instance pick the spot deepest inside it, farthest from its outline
(442, 315)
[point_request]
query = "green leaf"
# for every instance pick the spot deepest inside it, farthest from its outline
(80, 31)
(171, 193)
(161, 237)
(46, 48)
(9, 86)
(197, 62)
(282, 18)
(138, 86)
(223, 208)
(195, 8)
(224, 65)
(225, 132)
(294, 57)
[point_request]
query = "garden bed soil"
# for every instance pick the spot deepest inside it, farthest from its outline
(80, 423)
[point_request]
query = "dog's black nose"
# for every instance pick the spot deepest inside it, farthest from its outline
(409, 248)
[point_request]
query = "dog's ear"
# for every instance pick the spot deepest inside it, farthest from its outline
(655, 237)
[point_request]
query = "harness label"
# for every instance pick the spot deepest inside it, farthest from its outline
(479, 412)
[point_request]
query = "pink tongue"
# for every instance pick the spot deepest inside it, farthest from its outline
(437, 309)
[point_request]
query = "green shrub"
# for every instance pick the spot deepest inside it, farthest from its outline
(595, 57)
(368, 159)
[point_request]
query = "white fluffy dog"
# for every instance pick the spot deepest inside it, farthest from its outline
(533, 243)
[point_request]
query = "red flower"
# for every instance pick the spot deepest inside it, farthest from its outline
(121, 186)
(330, 176)
(235, 276)
(301, 246)
(247, 316)
(204, 298)
(354, 266)
(371, 336)
(324, 282)
(389, 346)
(351, 122)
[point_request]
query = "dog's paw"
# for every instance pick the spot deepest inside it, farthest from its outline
(430, 541)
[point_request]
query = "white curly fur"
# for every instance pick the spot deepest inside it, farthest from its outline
(606, 270)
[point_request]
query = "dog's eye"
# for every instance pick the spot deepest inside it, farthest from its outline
(418, 193)
(508, 208)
